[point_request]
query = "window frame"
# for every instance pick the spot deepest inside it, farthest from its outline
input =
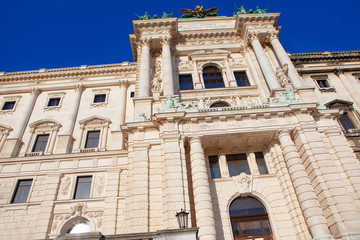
(217, 70)
(87, 138)
(349, 119)
(16, 188)
(246, 80)
(317, 78)
(238, 166)
(186, 81)
(8, 99)
(51, 96)
(94, 123)
(210, 166)
(37, 141)
(265, 163)
(97, 92)
(77, 185)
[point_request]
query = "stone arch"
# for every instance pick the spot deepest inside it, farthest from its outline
(66, 225)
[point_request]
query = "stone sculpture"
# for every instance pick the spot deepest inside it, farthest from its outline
(198, 12)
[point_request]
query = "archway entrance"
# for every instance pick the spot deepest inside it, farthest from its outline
(249, 220)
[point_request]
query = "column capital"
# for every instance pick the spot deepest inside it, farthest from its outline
(339, 71)
(79, 88)
(253, 36)
(271, 36)
(283, 132)
(145, 42)
(124, 83)
(196, 138)
(165, 40)
(35, 91)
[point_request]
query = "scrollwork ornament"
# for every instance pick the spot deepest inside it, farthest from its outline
(35, 91)
(79, 88)
(252, 36)
(145, 42)
(272, 35)
(124, 83)
(65, 185)
(339, 71)
(165, 40)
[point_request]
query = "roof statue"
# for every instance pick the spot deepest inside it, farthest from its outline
(147, 15)
(165, 15)
(198, 12)
(242, 10)
(144, 17)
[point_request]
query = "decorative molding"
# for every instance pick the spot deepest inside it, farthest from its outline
(65, 185)
(8, 99)
(54, 95)
(243, 183)
(95, 92)
(78, 210)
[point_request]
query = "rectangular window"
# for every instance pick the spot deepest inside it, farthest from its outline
(22, 191)
(40, 143)
(237, 164)
(99, 98)
(260, 161)
(83, 187)
(241, 79)
(214, 167)
(92, 139)
(323, 83)
(53, 102)
(132, 94)
(346, 122)
(8, 105)
(186, 82)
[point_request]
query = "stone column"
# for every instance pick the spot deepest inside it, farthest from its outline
(144, 82)
(309, 204)
(13, 143)
(284, 59)
(66, 137)
(196, 81)
(138, 209)
(111, 201)
(264, 63)
(355, 95)
(117, 139)
(202, 197)
(230, 74)
(167, 69)
(173, 179)
(47, 206)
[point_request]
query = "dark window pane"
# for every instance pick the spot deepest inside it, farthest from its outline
(22, 191)
(185, 81)
(92, 140)
(261, 163)
(219, 104)
(212, 77)
(83, 187)
(40, 143)
(346, 122)
(132, 94)
(237, 164)
(214, 166)
(323, 83)
(53, 102)
(8, 105)
(241, 79)
(99, 98)
(246, 206)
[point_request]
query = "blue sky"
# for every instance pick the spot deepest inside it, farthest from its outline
(53, 34)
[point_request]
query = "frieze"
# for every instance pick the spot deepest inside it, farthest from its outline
(80, 209)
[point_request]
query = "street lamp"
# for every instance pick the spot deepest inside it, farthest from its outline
(182, 218)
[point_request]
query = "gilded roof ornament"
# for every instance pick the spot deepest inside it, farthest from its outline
(199, 12)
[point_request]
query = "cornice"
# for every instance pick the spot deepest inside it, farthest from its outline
(69, 72)
(325, 56)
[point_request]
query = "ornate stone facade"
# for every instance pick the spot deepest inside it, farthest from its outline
(212, 111)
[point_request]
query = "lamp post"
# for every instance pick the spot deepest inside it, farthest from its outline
(182, 218)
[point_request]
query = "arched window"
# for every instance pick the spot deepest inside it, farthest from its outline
(249, 220)
(219, 104)
(81, 227)
(212, 77)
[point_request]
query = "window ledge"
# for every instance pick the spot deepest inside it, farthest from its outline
(86, 150)
(32, 154)
(18, 206)
(329, 89)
